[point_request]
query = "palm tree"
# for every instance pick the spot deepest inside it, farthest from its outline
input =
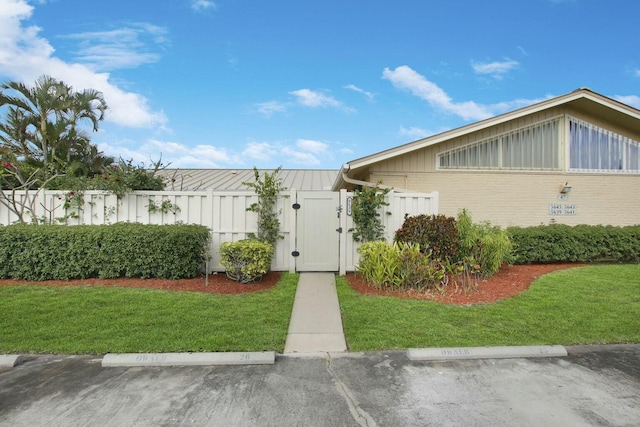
(42, 120)
(86, 105)
(40, 105)
(15, 133)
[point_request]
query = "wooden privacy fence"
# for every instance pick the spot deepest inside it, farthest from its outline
(223, 212)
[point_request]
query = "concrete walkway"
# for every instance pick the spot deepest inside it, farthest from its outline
(316, 323)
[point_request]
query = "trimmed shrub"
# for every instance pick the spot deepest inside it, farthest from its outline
(437, 235)
(246, 261)
(582, 243)
(58, 252)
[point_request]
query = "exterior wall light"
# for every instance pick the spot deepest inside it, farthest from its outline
(565, 188)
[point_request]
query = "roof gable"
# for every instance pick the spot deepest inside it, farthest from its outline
(582, 99)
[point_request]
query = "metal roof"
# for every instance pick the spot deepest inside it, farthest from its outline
(232, 179)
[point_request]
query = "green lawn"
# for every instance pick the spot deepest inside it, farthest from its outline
(594, 304)
(95, 320)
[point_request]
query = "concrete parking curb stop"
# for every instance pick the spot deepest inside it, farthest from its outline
(486, 352)
(269, 357)
(10, 360)
(188, 359)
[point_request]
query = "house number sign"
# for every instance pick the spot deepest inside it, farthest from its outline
(556, 209)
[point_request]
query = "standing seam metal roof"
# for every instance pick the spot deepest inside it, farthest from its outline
(232, 179)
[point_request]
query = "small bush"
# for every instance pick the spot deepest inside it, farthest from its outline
(436, 234)
(246, 261)
(59, 252)
(418, 271)
(379, 263)
(483, 244)
(398, 265)
(582, 243)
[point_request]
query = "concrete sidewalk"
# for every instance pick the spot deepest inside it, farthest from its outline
(316, 323)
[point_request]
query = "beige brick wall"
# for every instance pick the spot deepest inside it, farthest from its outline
(523, 198)
(518, 198)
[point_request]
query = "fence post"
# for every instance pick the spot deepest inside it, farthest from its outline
(293, 229)
(342, 248)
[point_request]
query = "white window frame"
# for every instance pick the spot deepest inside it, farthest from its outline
(603, 136)
(559, 150)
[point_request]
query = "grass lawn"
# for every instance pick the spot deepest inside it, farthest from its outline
(594, 304)
(95, 320)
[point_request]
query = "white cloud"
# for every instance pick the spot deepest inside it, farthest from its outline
(403, 77)
(355, 88)
(300, 157)
(314, 99)
(24, 54)
(496, 69)
(260, 151)
(312, 146)
(200, 5)
(303, 152)
(415, 132)
(176, 154)
(632, 100)
(270, 108)
(126, 47)
(303, 97)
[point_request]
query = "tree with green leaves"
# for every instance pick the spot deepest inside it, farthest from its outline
(44, 144)
(41, 124)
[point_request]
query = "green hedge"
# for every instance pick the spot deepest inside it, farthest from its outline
(59, 252)
(582, 243)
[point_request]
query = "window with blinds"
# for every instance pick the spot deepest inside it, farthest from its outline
(534, 147)
(594, 149)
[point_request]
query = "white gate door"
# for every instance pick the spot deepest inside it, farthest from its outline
(317, 230)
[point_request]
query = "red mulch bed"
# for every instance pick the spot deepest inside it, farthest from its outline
(218, 283)
(508, 282)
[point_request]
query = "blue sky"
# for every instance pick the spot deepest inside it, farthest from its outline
(298, 84)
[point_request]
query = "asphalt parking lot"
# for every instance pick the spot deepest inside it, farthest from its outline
(593, 386)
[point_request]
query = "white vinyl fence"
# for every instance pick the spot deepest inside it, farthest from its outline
(223, 212)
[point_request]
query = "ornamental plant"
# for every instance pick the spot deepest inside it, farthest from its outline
(267, 188)
(246, 261)
(365, 209)
(437, 235)
(484, 245)
(399, 265)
